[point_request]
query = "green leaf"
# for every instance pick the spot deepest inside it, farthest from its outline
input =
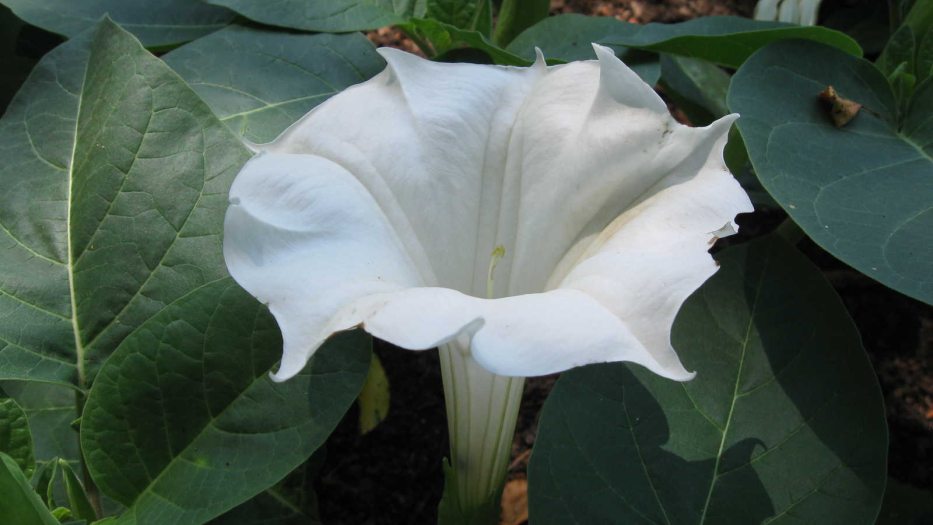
(50, 409)
(77, 499)
(862, 192)
(909, 52)
(332, 16)
(374, 398)
(920, 17)
(15, 439)
(696, 86)
(112, 197)
(723, 40)
(259, 82)
(474, 15)
(441, 38)
(187, 401)
(900, 49)
(20, 505)
(292, 501)
(156, 24)
(784, 422)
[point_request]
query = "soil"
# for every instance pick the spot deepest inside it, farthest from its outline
(393, 475)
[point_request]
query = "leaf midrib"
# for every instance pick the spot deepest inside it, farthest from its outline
(735, 390)
(69, 256)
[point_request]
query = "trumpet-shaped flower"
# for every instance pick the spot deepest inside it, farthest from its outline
(527, 220)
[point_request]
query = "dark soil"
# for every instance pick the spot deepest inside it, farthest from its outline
(393, 474)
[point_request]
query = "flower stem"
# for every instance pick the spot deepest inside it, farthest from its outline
(482, 409)
(517, 15)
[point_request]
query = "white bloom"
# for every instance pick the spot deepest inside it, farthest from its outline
(382, 208)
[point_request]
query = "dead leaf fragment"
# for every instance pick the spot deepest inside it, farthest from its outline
(842, 110)
(515, 502)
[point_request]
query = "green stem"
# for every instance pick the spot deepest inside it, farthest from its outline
(482, 409)
(517, 15)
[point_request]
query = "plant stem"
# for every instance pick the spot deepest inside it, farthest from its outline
(93, 495)
(517, 15)
(482, 409)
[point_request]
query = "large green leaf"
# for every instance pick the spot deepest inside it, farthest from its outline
(863, 192)
(112, 197)
(335, 16)
(259, 82)
(723, 40)
(783, 423)
(19, 504)
(186, 402)
(15, 439)
(161, 23)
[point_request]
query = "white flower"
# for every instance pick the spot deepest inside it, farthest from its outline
(383, 206)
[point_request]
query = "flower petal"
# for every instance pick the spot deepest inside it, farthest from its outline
(646, 263)
(526, 335)
(303, 236)
(428, 140)
(598, 142)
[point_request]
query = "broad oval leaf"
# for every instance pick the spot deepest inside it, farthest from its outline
(112, 197)
(784, 422)
(864, 191)
(186, 401)
(259, 82)
(156, 24)
(333, 16)
(723, 40)
(15, 439)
